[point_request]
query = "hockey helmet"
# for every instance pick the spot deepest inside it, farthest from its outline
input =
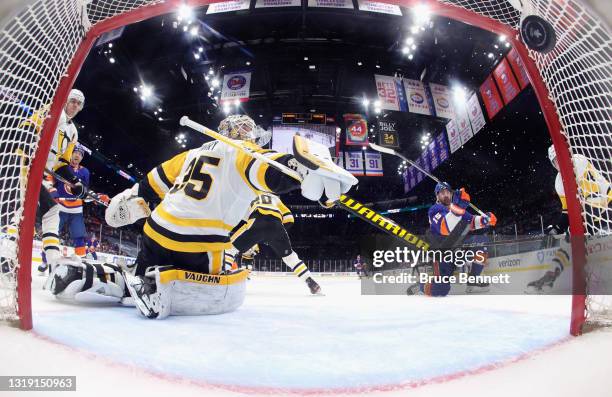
(441, 186)
(77, 95)
(238, 126)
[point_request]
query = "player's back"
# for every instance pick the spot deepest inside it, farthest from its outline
(210, 192)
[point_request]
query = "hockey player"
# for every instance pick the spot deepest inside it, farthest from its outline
(204, 194)
(448, 218)
(92, 246)
(64, 141)
(71, 207)
(267, 222)
(596, 194)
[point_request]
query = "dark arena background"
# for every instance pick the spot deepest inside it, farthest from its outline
(509, 100)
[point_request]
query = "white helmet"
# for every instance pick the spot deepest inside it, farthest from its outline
(552, 155)
(238, 126)
(78, 95)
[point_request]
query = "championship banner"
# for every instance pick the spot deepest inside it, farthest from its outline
(454, 142)
(331, 3)
(373, 164)
(463, 123)
(475, 113)
(339, 160)
(354, 163)
(490, 97)
(518, 68)
(387, 134)
(390, 93)
(434, 157)
(508, 86)
(236, 86)
(356, 129)
(375, 6)
(407, 177)
(443, 150)
(416, 97)
(443, 104)
(228, 6)
(277, 3)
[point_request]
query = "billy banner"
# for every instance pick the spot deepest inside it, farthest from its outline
(518, 68)
(490, 97)
(475, 114)
(416, 97)
(356, 129)
(442, 99)
(508, 86)
(354, 162)
(390, 93)
(387, 133)
(236, 86)
(373, 164)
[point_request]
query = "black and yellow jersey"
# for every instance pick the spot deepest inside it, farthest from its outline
(593, 188)
(271, 204)
(206, 192)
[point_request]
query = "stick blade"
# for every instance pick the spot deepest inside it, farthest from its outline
(382, 149)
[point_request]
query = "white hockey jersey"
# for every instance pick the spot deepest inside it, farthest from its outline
(593, 188)
(206, 192)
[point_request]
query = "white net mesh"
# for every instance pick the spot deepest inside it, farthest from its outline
(37, 46)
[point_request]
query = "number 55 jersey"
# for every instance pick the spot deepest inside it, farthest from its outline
(205, 192)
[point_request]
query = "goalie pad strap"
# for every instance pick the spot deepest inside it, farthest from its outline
(89, 271)
(100, 272)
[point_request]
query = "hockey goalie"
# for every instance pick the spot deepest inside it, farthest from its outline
(203, 194)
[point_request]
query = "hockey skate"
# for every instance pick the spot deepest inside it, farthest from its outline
(146, 298)
(542, 285)
(315, 288)
(477, 288)
(42, 269)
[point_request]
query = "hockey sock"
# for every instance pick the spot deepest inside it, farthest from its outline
(476, 269)
(297, 266)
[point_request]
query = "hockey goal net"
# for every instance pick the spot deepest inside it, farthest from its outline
(43, 46)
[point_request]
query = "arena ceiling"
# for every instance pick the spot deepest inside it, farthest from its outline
(280, 47)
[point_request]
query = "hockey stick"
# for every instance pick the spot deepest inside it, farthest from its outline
(392, 152)
(91, 194)
(346, 203)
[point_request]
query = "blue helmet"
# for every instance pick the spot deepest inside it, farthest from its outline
(441, 186)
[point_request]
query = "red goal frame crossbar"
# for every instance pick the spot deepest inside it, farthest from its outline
(26, 231)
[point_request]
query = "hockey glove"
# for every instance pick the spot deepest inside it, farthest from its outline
(461, 198)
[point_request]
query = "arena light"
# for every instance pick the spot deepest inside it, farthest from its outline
(196, 55)
(201, 49)
(184, 13)
(405, 50)
(459, 93)
(502, 37)
(193, 31)
(215, 83)
(248, 63)
(414, 29)
(365, 102)
(410, 40)
(111, 60)
(377, 103)
(490, 55)
(146, 92)
(359, 63)
(211, 72)
(159, 110)
(236, 102)
(421, 13)
(410, 57)
(110, 45)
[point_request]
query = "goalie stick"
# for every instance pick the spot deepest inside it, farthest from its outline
(392, 152)
(346, 203)
(89, 193)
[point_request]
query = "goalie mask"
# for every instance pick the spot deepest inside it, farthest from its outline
(244, 128)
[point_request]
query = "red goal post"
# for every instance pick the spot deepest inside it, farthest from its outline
(44, 46)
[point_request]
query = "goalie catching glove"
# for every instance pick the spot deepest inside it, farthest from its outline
(323, 180)
(126, 208)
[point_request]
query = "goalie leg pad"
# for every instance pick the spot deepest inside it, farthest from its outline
(86, 282)
(185, 293)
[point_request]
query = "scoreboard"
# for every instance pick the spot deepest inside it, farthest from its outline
(304, 118)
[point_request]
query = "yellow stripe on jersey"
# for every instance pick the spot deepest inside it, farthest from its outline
(563, 203)
(156, 188)
(300, 268)
(216, 262)
(172, 168)
(50, 241)
(180, 246)
(288, 219)
(193, 222)
(242, 229)
(273, 213)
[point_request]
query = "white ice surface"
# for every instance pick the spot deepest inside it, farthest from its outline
(284, 340)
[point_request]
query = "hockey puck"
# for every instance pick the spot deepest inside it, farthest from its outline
(538, 34)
